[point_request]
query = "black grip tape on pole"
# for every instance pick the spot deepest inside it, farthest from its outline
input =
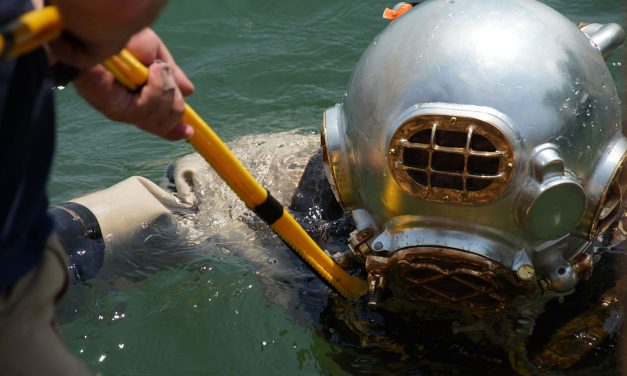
(270, 210)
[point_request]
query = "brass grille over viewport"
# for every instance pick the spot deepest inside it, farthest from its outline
(451, 159)
(449, 277)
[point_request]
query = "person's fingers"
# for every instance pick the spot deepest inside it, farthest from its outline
(138, 47)
(185, 85)
(181, 131)
(160, 104)
(100, 89)
(144, 47)
(153, 98)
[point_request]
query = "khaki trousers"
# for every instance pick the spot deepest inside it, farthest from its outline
(30, 339)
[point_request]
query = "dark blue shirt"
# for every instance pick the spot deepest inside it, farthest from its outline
(26, 148)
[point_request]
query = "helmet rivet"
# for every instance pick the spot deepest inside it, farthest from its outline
(392, 151)
(453, 120)
(378, 246)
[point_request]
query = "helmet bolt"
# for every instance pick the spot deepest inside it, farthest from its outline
(525, 272)
(375, 289)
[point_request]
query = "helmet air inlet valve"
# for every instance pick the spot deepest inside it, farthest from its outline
(357, 242)
(554, 205)
(358, 249)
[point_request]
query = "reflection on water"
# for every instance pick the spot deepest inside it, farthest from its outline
(204, 315)
(233, 299)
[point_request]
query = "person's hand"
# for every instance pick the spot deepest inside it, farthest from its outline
(156, 108)
(96, 29)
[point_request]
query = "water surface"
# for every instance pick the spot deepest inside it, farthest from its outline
(259, 67)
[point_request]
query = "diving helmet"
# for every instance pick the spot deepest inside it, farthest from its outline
(480, 149)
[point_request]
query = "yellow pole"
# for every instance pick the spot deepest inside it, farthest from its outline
(30, 31)
(216, 153)
(45, 25)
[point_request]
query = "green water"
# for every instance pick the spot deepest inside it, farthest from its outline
(259, 67)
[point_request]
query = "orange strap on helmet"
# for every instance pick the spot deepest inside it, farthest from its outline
(399, 10)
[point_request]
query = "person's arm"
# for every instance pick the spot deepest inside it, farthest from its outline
(97, 29)
(94, 227)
